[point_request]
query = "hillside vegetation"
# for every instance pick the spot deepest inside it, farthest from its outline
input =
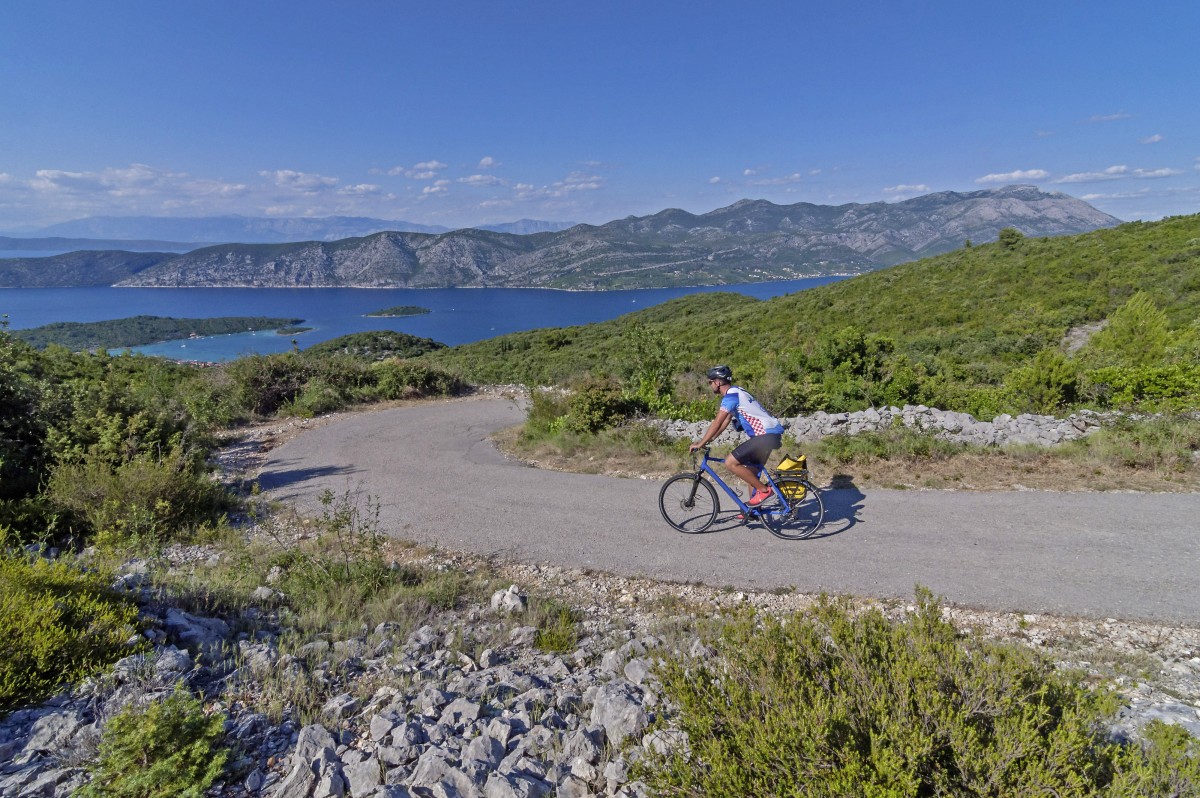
(983, 329)
(141, 330)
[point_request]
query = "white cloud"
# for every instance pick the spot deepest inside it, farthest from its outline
(1041, 134)
(481, 180)
(749, 172)
(488, 162)
(919, 188)
(432, 166)
(1117, 173)
(396, 171)
(304, 182)
(715, 180)
(361, 190)
(1009, 177)
(429, 191)
(1152, 139)
(786, 180)
(1109, 117)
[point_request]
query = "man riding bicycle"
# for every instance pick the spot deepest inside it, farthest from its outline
(747, 415)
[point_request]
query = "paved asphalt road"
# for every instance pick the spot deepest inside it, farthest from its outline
(438, 480)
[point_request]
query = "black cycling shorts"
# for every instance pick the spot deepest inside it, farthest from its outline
(756, 450)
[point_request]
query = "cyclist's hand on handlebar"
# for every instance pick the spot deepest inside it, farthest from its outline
(695, 446)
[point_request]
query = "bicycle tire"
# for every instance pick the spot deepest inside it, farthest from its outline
(688, 503)
(804, 519)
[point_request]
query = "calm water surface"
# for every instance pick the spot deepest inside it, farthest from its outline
(459, 315)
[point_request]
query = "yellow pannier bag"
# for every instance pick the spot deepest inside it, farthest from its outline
(796, 464)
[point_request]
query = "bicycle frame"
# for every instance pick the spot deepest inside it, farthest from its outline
(764, 474)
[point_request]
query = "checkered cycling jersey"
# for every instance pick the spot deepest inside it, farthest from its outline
(754, 418)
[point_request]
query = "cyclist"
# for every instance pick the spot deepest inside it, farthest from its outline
(747, 415)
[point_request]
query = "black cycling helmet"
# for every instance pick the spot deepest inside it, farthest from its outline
(723, 373)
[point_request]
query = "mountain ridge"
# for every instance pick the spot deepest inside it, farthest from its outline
(748, 241)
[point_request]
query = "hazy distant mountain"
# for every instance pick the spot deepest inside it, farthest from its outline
(256, 230)
(748, 241)
(55, 244)
(231, 229)
(525, 227)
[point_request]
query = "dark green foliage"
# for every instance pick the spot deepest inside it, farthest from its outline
(169, 749)
(407, 379)
(837, 703)
(401, 310)
(1048, 384)
(22, 426)
(140, 330)
(145, 500)
(1137, 335)
(1010, 238)
(377, 345)
(596, 405)
(58, 623)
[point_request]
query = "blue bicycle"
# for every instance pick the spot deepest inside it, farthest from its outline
(689, 502)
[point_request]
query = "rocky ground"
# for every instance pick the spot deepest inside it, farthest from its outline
(468, 704)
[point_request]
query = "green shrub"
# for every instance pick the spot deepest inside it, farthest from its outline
(169, 749)
(1171, 387)
(58, 624)
(1048, 383)
(840, 703)
(264, 383)
(899, 442)
(406, 379)
(597, 405)
(145, 501)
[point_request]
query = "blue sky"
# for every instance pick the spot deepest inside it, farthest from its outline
(463, 113)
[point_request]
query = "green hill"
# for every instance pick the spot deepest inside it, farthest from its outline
(981, 329)
(140, 330)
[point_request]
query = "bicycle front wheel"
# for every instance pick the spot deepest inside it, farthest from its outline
(801, 515)
(688, 503)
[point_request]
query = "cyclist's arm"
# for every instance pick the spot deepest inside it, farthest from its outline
(718, 425)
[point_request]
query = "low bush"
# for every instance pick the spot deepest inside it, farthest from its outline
(839, 703)
(407, 379)
(597, 405)
(1165, 443)
(58, 624)
(896, 443)
(168, 749)
(145, 501)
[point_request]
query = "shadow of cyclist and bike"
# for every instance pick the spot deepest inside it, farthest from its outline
(843, 501)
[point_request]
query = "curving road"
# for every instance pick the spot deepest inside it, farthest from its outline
(439, 480)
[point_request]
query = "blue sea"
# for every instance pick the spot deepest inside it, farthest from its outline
(459, 315)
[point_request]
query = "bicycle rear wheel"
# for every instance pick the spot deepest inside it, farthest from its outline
(803, 515)
(688, 503)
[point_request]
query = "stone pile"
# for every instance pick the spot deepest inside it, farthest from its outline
(506, 720)
(1003, 430)
(511, 722)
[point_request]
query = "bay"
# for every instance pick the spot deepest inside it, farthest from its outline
(459, 315)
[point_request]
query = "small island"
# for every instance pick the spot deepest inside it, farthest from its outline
(292, 330)
(399, 310)
(142, 330)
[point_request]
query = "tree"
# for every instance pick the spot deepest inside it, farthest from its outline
(1011, 237)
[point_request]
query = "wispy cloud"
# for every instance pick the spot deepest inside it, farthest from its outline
(1009, 177)
(1117, 117)
(715, 179)
(919, 188)
(488, 162)
(785, 180)
(1152, 139)
(481, 180)
(303, 182)
(1119, 172)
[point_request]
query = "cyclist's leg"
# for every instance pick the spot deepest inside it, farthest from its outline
(748, 459)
